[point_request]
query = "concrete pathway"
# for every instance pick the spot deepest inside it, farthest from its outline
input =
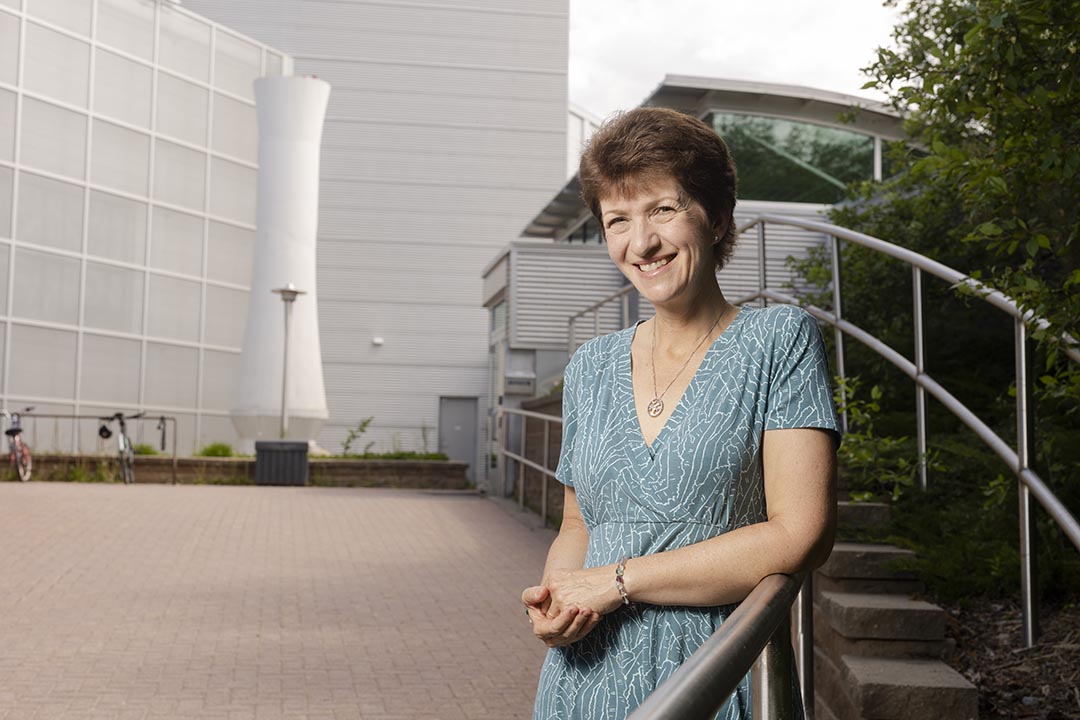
(231, 603)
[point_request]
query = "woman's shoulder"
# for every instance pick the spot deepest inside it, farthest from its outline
(775, 319)
(602, 351)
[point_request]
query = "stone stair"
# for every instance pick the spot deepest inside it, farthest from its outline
(878, 648)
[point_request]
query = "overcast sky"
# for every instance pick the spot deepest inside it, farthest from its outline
(620, 50)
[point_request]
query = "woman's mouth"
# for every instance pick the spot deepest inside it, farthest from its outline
(655, 264)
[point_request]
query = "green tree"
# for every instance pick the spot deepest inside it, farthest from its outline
(991, 92)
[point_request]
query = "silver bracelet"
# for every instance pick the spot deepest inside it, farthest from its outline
(620, 568)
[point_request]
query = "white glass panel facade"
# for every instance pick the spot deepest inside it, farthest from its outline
(233, 121)
(173, 311)
(182, 109)
(229, 254)
(180, 176)
(53, 139)
(56, 65)
(110, 370)
(234, 190)
(184, 44)
(42, 362)
(7, 125)
(50, 212)
(127, 25)
(236, 62)
(273, 64)
(122, 89)
(73, 15)
(5, 258)
(219, 379)
(177, 242)
(9, 48)
(7, 181)
(117, 228)
(121, 158)
(217, 428)
(113, 298)
(226, 312)
(35, 270)
(120, 213)
(171, 375)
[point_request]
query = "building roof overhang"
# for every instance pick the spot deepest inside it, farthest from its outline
(699, 96)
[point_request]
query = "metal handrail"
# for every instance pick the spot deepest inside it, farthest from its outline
(755, 635)
(1029, 483)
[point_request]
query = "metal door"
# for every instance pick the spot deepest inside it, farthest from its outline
(458, 417)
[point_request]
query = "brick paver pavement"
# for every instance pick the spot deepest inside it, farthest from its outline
(157, 601)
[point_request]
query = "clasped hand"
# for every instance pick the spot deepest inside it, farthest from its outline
(568, 604)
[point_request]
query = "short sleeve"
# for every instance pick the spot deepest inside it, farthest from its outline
(571, 387)
(800, 385)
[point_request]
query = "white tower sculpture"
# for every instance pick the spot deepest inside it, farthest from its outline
(290, 115)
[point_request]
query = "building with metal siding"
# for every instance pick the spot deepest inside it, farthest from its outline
(446, 129)
(127, 212)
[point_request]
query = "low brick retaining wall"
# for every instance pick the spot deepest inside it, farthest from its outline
(336, 472)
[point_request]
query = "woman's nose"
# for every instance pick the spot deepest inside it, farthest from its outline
(644, 239)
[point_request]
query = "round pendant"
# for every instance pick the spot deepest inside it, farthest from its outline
(656, 406)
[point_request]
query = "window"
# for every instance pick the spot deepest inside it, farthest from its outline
(56, 65)
(786, 160)
(117, 228)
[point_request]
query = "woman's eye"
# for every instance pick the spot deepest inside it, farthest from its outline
(664, 213)
(617, 224)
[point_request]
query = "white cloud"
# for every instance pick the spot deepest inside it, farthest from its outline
(620, 50)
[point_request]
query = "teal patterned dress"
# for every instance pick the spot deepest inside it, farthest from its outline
(701, 477)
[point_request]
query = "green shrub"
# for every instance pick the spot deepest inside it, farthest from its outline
(217, 449)
(144, 449)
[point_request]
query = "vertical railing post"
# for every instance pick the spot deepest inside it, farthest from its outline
(804, 641)
(1028, 581)
(500, 446)
(570, 337)
(770, 678)
(920, 368)
(625, 310)
(544, 476)
(838, 335)
(521, 465)
(762, 284)
(596, 322)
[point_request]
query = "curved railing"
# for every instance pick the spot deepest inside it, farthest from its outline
(1030, 484)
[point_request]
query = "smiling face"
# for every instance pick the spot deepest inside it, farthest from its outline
(662, 241)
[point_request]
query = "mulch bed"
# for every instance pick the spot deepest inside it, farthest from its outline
(1013, 681)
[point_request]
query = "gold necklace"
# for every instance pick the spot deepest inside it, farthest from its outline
(656, 405)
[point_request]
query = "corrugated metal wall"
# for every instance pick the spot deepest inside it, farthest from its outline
(446, 131)
(549, 283)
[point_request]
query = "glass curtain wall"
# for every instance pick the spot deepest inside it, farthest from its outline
(128, 151)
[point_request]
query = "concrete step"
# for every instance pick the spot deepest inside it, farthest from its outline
(900, 689)
(862, 514)
(866, 561)
(836, 644)
(867, 585)
(870, 616)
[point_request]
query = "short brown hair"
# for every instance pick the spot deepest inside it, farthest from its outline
(637, 147)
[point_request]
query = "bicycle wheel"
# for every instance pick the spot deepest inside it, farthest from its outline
(127, 463)
(23, 463)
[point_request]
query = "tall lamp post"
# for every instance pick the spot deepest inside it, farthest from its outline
(288, 294)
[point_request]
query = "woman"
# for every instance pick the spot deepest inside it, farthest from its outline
(698, 449)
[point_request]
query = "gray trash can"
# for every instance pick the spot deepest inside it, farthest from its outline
(281, 462)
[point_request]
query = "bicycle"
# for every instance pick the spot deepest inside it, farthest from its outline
(18, 451)
(125, 451)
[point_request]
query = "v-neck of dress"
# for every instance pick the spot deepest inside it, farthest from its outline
(685, 399)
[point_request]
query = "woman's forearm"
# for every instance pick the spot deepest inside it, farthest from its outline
(721, 570)
(568, 550)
